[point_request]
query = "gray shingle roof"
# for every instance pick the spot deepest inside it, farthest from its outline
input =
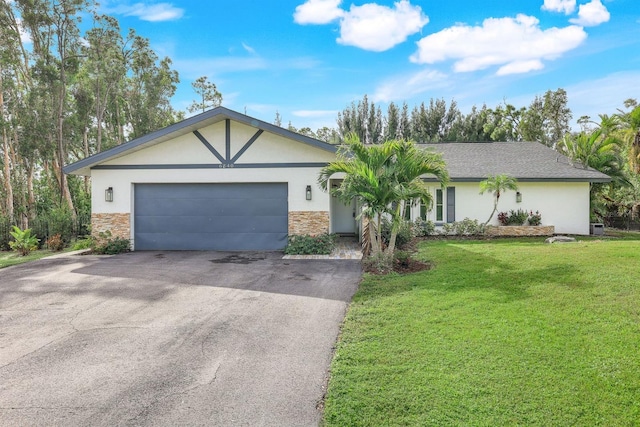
(526, 161)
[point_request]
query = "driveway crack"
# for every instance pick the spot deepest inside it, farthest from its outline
(157, 400)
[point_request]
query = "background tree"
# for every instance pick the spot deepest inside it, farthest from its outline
(497, 185)
(630, 125)
(208, 95)
(68, 91)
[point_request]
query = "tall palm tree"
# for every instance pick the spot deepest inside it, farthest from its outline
(409, 165)
(382, 177)
(597, 151)
(631, 135)
(497, 184)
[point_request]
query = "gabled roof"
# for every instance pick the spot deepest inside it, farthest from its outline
(191, 124)
(525, 161)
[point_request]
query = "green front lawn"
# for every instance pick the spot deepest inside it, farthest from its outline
(505, 332)
(9, 258)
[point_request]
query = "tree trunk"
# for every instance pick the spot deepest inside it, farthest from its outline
(7, 175)
(64, 186)
(493, 212)
(394, 228)
(375, 244)
(31, 198)
(6, 147)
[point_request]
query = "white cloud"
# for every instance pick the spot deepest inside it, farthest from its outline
(592, 14)
(565, 6)
(408, 86)
(318, 12)
(378, 28)
(518, 45)
(248, 48)
(148, 12)
(370, 26)
(520, 67)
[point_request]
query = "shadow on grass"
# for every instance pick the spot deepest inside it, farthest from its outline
(458, 269)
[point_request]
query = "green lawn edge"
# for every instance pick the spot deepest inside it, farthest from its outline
(499, 332)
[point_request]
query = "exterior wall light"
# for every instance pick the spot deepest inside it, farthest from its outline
(518, 197)
(108, 194)
(308, 192)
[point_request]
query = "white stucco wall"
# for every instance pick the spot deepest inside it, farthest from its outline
(188, 150)
(564, 205)
(123, 182)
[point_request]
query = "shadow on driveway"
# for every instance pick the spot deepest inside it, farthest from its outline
(169, 338)
(255, 271)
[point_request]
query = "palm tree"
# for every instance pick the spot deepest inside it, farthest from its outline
(631, 134)
(382, 177)
(497, 185)
(597, 151)
(410, 164)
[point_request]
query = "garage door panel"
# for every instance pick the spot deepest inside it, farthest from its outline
(212, 241)
(211, 216)
(219, 207)
(206, 224)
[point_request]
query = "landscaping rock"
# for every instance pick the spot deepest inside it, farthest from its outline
(560, 239)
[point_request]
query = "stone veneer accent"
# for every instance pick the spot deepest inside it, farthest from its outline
(308, 222)
(521, 230)
(118, 223)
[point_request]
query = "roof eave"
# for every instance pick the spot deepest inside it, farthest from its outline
(83, 167)
(557, 179)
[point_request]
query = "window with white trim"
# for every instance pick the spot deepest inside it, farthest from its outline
(439, 205)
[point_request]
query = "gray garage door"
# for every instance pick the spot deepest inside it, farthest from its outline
(230, 217)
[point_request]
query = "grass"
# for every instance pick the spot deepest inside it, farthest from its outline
(505, 332)
(9, 258)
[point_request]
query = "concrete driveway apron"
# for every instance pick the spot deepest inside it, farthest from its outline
(169, 338)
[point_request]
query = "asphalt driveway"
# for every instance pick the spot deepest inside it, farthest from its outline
(169, 338)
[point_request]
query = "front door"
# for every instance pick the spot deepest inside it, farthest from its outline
(343, 217)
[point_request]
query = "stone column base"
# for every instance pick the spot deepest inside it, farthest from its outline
(119, 224)
(308, 222)
(521, 230)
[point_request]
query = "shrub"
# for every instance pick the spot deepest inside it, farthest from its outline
(55, 243)
(61, 223)
(423, 228)
(518, 217)
(503, 218)
(85, 243)
(321, 244)
(466, 227)
(402, 258)
(405, 233)
(24, 242)
(535, 218)
(107, 245)
(380, 263)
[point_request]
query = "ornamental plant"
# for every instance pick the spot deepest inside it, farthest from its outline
(520, 217)
(535, 218)
(24, 242)
(321, 244)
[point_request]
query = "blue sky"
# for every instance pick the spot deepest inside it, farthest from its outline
(310, 59)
